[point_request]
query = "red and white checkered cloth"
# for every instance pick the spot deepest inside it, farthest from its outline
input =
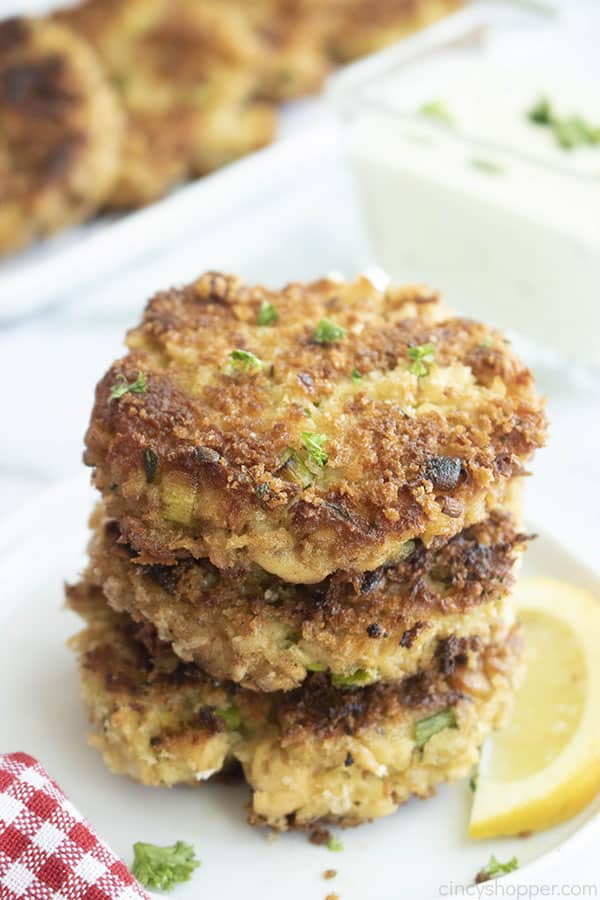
(47, 849)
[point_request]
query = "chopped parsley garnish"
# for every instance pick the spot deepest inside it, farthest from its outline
(436, 109)
(303, 465)
(487, 342)
(244, 361)
(422, 357)
(150, 462)
(494, 869)
(161, 868)
(267, 314)
(474, 778)
(541, 112)
(426, 728)
(487, 166)
(328, 332)
(355, 376)
(575, 132)
(122, 386)
(334, 843)
(314, 446)
(359, 678)
(231, 717)
(569, 131)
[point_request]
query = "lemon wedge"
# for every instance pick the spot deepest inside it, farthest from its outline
(544, 766)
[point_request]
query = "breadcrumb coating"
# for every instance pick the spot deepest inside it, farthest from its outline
(366, 26)
(315, 754)
(185, 74)
(160, 91)
(293, 37)
(331, 438)
(268, 635)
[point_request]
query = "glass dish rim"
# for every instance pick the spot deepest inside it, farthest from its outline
(348, 90)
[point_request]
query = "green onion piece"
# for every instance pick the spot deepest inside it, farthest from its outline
(487, 166)
(436, 109)
(426, 728)
(297, 468)
(359, 678)
(316, 667)
(231, 716)
(328, 332)
(355, 376)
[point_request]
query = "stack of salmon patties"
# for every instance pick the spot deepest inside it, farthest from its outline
(304, 552)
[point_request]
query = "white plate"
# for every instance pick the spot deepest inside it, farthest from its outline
(418, 853)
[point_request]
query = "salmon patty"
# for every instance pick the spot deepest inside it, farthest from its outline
(61, 127)
(292, 36)
(319, 753)
(268, 635)
(320, 427)
(185, 75)
(365, 26)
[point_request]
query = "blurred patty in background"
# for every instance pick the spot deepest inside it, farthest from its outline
(111, 103)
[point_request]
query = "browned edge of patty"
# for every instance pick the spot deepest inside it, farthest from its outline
(316, 707)
(473, 567)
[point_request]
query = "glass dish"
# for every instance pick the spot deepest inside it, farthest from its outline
(461, 190)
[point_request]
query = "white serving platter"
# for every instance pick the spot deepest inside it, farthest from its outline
(422, 852)
(58, 269)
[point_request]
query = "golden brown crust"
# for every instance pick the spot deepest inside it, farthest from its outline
(154, 158)
(408, 455)
(186, 86)
(292, 36)
(267, 635)
(60, 131)
(366, 26)
(322, 709)
(132, 658)
(313, 754)
(184, 71)
(302, 39)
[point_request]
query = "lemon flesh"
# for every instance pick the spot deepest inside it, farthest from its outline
(544, 767)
